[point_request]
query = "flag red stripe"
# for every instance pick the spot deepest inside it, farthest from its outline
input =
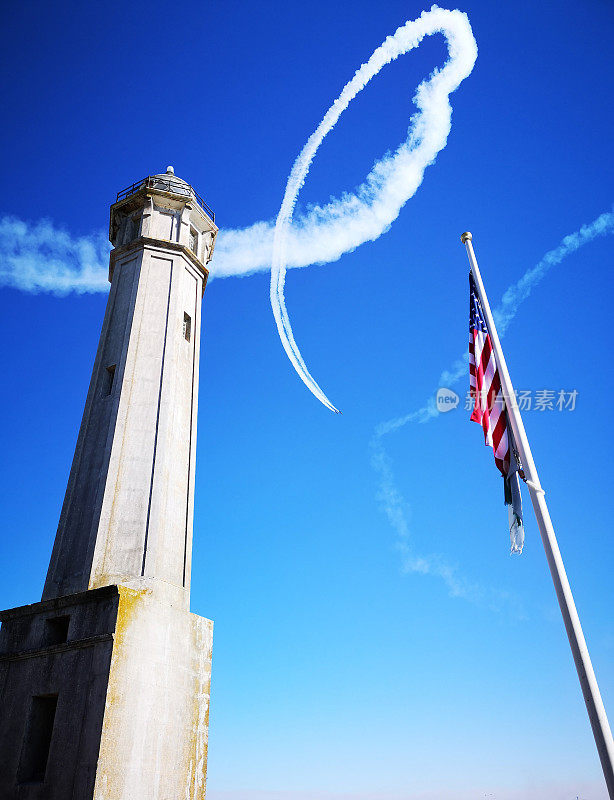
(485, 389)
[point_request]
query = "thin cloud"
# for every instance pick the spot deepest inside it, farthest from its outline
(394, 506)
(40, 257)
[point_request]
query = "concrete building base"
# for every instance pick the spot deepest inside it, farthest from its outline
(104, 695)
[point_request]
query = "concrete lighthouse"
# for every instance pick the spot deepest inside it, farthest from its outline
(104, 684)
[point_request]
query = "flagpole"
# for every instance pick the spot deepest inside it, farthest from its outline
(586, 674)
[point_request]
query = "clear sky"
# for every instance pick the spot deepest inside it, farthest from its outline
(374, 639)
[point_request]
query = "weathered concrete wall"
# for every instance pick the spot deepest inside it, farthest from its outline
(154, 738)
(145, 525)
(121, 685)
(77, 671)
(133, 682)
(128, 510)
(70, 564)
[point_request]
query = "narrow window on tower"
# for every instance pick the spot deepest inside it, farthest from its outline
(132, 227)
(194, 241)
(187, 327)
(109, 377)
(129, 230)
(56, 630)
(37, 742)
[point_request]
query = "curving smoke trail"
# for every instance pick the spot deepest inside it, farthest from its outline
(43, 258)
(392, 502)
(366, 214)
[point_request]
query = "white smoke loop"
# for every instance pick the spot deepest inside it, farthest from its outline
(365, 215)
(40, 257)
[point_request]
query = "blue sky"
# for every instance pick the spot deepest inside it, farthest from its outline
(340, 672)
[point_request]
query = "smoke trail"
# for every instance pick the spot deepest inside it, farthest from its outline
(366, 214)
(397, 511)
(392, 503)
(39, 257)
(513, 297)
(43, 258)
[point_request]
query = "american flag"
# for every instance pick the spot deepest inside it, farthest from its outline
(485, 384)
(489, 412)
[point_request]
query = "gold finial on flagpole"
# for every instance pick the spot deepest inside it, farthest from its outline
(466, 237)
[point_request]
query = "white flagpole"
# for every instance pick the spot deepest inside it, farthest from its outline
(588, 682)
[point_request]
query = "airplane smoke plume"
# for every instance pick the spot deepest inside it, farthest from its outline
(43, 258)
(39, 257)
(367, 213)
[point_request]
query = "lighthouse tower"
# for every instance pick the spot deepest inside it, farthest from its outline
(104, 684)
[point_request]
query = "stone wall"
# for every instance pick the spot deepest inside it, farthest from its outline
(130, 689)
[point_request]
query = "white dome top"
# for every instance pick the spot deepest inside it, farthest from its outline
(169, 182)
